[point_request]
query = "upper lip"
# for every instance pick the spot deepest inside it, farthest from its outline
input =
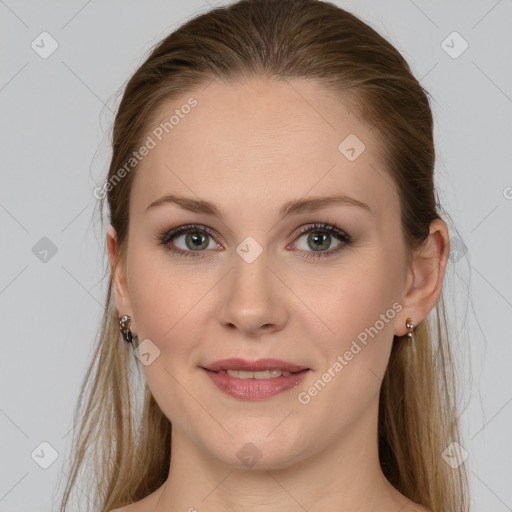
(254, 366)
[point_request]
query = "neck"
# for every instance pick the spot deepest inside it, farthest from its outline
(345, 476)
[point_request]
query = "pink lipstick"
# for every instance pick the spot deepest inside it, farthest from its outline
(254, 380)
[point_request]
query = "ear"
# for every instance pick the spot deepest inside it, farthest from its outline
(425, 277)
(119, 286)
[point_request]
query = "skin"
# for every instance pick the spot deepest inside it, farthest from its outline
(249, 148)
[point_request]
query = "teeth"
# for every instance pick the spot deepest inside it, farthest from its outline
(266, 374)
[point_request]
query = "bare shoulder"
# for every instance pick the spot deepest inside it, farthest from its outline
(414, 507)
(406, 505)
(139, 506)
(146, 504)
(132, 507)
(126, 508)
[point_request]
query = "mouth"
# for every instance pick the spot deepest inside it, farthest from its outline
(259, 375)
(256, 380)
(259, 369)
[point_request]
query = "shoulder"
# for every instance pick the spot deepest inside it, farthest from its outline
(407, 505)
(146, 504)
(139, 506)
(414, 507)
(132, 507)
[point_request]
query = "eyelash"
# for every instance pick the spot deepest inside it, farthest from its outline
(167, 236)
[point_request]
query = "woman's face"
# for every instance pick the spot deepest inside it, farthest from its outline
(262, 154)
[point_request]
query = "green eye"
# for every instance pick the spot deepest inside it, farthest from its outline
(319, 239)
(319, 242)
(197, 239)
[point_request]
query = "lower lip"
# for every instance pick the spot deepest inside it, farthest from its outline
(255, 389)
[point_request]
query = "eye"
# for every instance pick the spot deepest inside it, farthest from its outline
(319, 239)
(195, 239)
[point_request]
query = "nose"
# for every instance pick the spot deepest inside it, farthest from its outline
(253, 298)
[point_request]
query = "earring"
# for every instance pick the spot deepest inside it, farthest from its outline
(409, 324)
(124, 324)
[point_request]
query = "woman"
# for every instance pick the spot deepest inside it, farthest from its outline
(276, 248)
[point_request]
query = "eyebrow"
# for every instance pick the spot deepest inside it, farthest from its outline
(294, 207)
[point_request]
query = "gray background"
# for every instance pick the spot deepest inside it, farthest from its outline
(55, 123)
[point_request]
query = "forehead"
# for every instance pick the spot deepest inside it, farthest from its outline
(251, 139)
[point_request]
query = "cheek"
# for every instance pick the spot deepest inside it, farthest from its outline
(347, 299)
(357, 304)
(162, 294)
(355, 357)
(166, 304)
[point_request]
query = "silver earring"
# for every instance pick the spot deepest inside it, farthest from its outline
(410, 325)
(124, 324)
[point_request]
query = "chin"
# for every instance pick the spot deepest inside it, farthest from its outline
(257, 453)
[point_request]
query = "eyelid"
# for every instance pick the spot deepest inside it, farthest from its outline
(322, 226)
(168, 235)
(332, 229)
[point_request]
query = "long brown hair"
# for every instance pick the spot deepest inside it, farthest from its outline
(123, 437)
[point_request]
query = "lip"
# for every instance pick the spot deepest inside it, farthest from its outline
(255, 389)
(254, 366)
